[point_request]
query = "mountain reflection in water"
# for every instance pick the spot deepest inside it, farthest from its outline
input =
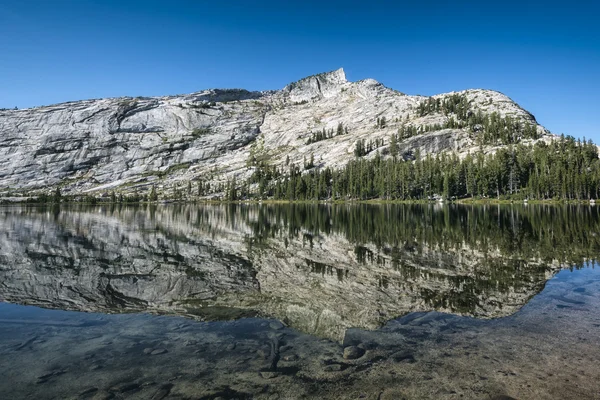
(321, 269)
(417, 273)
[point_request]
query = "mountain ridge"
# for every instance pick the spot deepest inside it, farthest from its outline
(203, 93)
(133, 144)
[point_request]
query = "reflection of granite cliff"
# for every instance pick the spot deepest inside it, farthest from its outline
(209, 262)
(92, 261)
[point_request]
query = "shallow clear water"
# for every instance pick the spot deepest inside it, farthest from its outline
(185, 302)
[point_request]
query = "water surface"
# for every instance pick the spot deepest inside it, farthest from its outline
(249, 301)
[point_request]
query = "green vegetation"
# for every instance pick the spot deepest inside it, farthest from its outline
(362, 147)
(393, 148)
(566, 169)
(55, 197)
(197, 132)
(324, 135)
(451, 104)
(489, 129)
(398, 233)
(128, 103)
(202, 105)
(171, 169)
(114, 198)
(153, 195)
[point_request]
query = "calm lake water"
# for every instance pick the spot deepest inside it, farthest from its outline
(300, 302)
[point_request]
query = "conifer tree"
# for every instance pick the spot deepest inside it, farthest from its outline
(153, 196)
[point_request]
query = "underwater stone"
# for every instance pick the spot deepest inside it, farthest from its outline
(276, 325)
(353, 352)
(269, 374)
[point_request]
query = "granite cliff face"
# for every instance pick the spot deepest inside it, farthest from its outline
(212, 263)
(131, 144)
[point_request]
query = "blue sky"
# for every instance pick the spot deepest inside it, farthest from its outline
(545, 57)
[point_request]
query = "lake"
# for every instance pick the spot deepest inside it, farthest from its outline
(299, 301)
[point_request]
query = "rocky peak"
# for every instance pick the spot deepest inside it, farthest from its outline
(326, 84)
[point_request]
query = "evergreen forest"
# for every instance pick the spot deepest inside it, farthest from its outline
(565, 169)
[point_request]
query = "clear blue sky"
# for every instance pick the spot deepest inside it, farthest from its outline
(547, 58)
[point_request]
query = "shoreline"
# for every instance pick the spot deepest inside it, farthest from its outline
(469, 201)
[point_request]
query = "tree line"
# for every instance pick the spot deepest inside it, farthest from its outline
(566, 169)
(324, 134)
(541, 232)
(491, 129)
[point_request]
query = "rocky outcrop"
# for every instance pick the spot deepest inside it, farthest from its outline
(132, 144)
(316, 87)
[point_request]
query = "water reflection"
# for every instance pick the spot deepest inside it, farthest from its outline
(325, 270)
(318, 268)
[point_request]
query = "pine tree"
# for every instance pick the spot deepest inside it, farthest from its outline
(57, 195)
(153, 196)
(394, 146)
(382, 123)
(232, 190)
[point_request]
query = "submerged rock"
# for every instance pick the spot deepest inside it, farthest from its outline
(125, 387)
(162, 392)
(103, 395)
(290, 357)
(89, 391)
(276, 325)
(269, 374)
(353, 352)
(230, 347)
(333, 367)
(403, 356)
